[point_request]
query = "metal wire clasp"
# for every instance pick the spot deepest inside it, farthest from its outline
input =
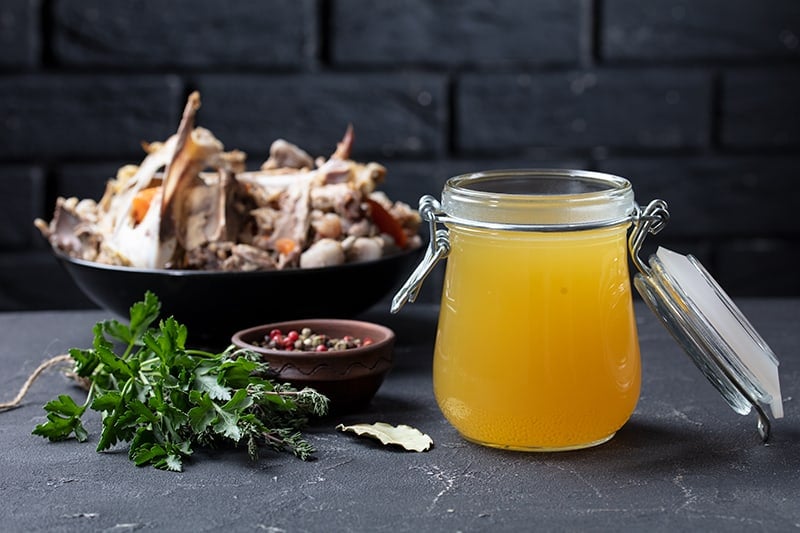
(438, 249)
(651, 220)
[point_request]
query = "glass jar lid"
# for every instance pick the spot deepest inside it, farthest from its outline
(713, 332)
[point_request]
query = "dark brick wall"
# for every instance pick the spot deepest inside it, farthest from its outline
(696, 101)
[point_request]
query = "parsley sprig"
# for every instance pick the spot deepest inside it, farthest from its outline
(165, 399)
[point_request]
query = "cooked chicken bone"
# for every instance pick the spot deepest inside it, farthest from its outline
(190, 204)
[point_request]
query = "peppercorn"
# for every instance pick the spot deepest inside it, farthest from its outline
(306, 341)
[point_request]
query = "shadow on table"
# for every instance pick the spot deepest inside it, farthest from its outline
(653, 448)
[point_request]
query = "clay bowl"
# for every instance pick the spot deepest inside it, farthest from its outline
(349, 378)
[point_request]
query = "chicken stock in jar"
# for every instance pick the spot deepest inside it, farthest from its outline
(536, 345)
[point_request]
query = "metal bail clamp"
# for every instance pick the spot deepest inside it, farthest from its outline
(651, 220)
(438, 249)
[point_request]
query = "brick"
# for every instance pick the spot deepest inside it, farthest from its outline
(760, 108)
(699, 29)
(648, 108)
(35, 281)
(85, 180)
(392, 114)
(456, 33)
(718, 197)
(19, 33)
(763, 267)
(409, 180)
(85, 116)
(22, 190)
(182, 33)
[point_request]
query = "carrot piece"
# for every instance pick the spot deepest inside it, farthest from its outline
(141, 203)
(387, 223)
(285, 245)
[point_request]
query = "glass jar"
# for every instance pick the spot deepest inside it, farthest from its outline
(536, 346)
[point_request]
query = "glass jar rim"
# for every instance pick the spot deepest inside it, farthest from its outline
(538, 199)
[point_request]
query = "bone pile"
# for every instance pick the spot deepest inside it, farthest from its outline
(190, 204)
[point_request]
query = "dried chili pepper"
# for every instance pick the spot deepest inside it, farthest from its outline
(387, 223)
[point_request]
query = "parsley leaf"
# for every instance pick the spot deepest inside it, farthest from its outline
(63, 419)
(164, 399)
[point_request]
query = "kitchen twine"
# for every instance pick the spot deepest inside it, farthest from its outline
(64, 358)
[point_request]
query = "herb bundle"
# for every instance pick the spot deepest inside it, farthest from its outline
(165, 399)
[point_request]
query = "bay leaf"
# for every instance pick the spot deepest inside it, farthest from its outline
(408, 437)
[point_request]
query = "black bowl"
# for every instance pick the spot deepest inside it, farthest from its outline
(214, 305)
